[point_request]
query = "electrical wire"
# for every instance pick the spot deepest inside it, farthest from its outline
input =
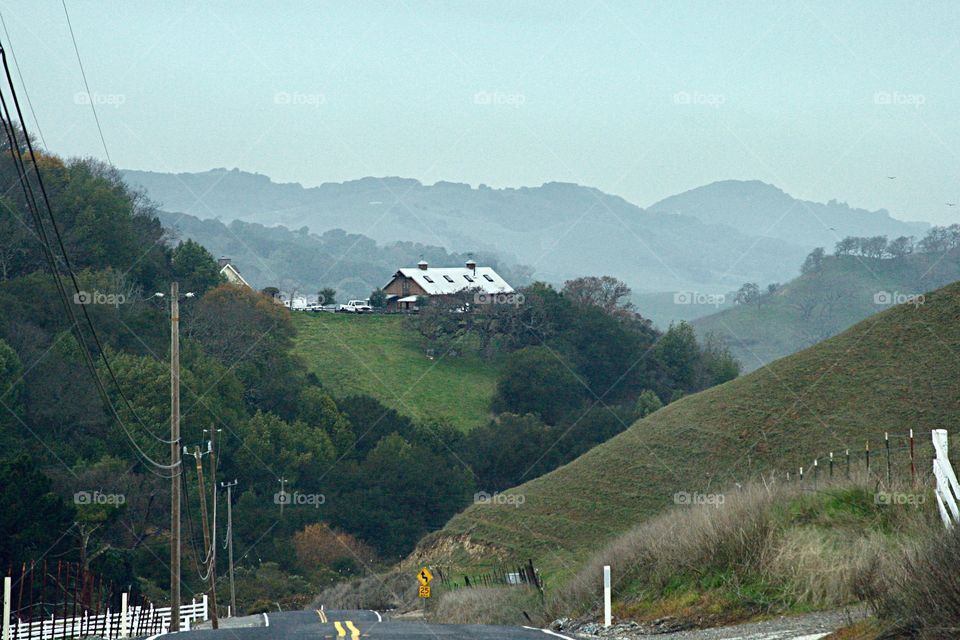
(191, 529)
(85, 84)
(34, 208)
(36, 121)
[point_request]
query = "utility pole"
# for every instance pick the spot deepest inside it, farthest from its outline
(233, 592)
(206, 538)
(283, 494)
(175, 460)
(213, 537)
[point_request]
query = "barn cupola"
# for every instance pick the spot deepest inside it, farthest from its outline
(422, 265)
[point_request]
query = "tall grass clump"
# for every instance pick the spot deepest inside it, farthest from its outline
(920, 596)
(763, 550)
(506, 605)
(381, 592)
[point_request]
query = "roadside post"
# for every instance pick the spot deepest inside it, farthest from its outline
(607, 615)
(7, 584)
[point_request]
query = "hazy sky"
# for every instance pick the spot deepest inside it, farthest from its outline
(639, 99)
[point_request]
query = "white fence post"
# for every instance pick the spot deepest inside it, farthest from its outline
(7, 583)
(124, 623)
(206, 610)
(948, 489)
(607, 615)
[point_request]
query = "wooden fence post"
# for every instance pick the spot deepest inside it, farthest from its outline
(886, 441)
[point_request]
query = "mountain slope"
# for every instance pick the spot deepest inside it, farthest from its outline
(561, 230)
(894, 370)
(761, 209)
(823, 303)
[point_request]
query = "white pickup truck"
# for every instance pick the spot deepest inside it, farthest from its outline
(355, 306)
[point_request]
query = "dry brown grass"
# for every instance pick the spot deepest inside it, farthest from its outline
(920, 597)
(515, 605)
(382, 592)
(764, 550)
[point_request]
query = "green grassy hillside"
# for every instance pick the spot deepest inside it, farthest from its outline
(821, 304)
(379, 356)
(893, 371)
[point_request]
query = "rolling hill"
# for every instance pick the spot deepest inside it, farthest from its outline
(822, 303)
(377, 356)
(761, 209)
(895, 370)
(561, 230)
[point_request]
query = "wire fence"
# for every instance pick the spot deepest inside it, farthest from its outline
(894, 459)
(523, 575)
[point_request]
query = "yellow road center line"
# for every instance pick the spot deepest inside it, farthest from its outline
(340, 630)
(323, 616)
(354, 632)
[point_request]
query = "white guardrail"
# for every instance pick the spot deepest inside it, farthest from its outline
(948, 489)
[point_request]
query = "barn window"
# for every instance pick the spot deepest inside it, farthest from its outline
(489, 279)
(428, 279)
(448, 278)
(469, 279)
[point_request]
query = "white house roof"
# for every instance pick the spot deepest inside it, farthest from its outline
(438, 281)
(230, 272)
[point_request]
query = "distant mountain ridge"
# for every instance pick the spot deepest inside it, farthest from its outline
(560, 230)
(758, 208)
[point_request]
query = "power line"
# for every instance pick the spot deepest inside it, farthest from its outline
(34, 208)
(63, 250)
(85, 83)
(23, 84)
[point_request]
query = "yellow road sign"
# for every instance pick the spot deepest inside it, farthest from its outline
(425, 576)
(424, 591)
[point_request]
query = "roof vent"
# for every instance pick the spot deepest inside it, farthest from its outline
(422, 265)
(472, 265)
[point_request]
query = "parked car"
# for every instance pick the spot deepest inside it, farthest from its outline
(355, 306)
(320, 308)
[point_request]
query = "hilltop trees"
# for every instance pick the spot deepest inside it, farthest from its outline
(814, 261)
(607, 293)
(900, 247)
(937, 240)
(747, 294)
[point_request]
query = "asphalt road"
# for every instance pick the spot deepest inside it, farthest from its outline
(356, 624)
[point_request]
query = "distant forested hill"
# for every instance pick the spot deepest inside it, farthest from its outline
(561, 230)
(825, 301)
(350, 263)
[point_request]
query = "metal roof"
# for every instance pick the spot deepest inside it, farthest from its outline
(438, 281)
